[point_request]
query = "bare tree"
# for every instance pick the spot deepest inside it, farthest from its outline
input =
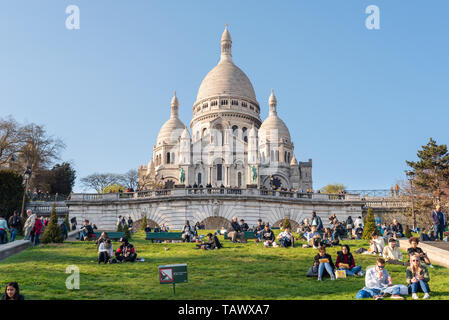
(99, 181)
(130, 179)
(40, 149)
(11, 140)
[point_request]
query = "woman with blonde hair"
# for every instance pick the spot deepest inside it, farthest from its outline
(418, 277)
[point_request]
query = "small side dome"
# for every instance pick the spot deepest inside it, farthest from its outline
(185, 134)
(172, 129)
(293, 162)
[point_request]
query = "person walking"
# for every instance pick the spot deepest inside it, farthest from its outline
(439, 222)
(29, 224)
(36, 231)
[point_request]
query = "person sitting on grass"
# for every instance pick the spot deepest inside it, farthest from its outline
(377, 244)
(12, 292)
(324, 261)
(397, 229)
(358, 232)
(187, 232)
(105, 251)
(103, 237)
(286, 238)
(126, 251)
(345, 261)
(415, 250)
(211, 244)
(258, 230)
(86, 231)
(235, 231)
(268, 236)
(313, 238)
(391, 253)
(418, 277)
(378, 283)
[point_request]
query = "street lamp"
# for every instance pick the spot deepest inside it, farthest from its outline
(411, 176)
(26, 178)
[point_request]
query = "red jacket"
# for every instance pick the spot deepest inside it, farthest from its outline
(37, 226)
(345, 258)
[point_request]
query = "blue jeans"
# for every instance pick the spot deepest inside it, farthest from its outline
(326, 266)
(352, 271)
(367, 293)
(421, 285)
(36, 239)
(3, 237)
(13, 232)
(83, 234)
(439, 231)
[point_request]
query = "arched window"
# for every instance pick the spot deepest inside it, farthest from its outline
(235, 130)
(245, 134)
(199, 178)
(204, 132)
(285, 156)
(172, 157)
(167, 161)
(239, 179)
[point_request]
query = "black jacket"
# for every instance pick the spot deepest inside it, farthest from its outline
(214, 243)
(244, 227)
(268, 235)
(258, 228)
(234, 226)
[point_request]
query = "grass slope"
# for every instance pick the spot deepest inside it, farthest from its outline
(238, 271)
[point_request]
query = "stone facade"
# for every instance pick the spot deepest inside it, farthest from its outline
(173, 207)
(229, 141)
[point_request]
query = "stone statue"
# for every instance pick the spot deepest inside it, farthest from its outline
(253, 173)
(182, 175)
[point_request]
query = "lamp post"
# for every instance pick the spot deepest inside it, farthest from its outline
(26, 178)
(411, 176)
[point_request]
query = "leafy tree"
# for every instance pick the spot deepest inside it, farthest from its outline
(120, 227)
(53, 233)
(62, 179)
(370, 225)
(431, 171)
(126, 231)
(11, 192)
(333, 188)
(144, 222)
(114, 188)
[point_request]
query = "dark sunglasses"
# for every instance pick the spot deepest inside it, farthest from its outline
(381, 267)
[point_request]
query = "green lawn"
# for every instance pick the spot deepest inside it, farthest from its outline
(238, 271)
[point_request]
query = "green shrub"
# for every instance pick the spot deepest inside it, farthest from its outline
(53, 233)
(126, 231)
(286, 223)
(407, 232)
(370, 225)
(119, 227)
(67, 223)
(144, 222)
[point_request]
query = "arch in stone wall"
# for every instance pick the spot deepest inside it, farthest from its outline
(294, 224)
(215, 222)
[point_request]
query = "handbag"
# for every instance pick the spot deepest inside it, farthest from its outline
(340, 274)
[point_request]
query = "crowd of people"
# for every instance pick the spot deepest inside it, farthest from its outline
(378, 282)
(33, 227)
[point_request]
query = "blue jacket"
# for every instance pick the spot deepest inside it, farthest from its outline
(438, 218)
(4, 225)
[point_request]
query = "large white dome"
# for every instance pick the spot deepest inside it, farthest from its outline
(226, 79)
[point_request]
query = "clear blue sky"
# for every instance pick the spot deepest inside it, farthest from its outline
(358, 102)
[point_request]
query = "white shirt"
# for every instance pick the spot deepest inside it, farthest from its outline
(102, 248)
